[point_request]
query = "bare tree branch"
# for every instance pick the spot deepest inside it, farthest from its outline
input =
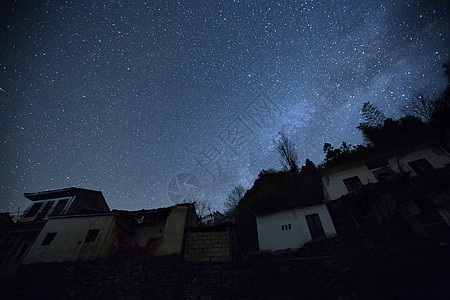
(232, 201)
(286, 149)
(421, 105)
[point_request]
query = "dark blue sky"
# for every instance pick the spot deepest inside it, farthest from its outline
(154, 102)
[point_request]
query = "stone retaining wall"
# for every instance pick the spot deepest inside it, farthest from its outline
(339, 269)
(208, 246)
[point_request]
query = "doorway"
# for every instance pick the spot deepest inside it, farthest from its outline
(315, 227)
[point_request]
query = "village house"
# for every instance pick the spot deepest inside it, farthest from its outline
(159, 231)
(411, 182)
(77, 224)
(213, 218)
(18, 237)
(120, 233)
(349, 176)
(292, 228)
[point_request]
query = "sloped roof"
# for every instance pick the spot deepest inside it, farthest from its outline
(371, 155)
(52, 194)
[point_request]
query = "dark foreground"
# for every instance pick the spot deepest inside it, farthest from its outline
(333, 269)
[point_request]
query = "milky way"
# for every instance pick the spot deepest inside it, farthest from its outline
(160, 102)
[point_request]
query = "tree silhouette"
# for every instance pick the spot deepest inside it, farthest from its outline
(441, 112)
(421, 105)
(232, 202)
(332, 154)
(286, 149)
(372, 116)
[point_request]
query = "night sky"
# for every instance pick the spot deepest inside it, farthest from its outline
(156, 102)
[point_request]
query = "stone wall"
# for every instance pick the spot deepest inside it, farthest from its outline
(333, 269)
(209, 244)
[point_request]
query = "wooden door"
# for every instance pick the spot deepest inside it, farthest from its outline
(315, 227)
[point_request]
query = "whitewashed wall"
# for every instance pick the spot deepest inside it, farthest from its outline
(435, 155)
(70, 234)
(333, 184)
(272, 237)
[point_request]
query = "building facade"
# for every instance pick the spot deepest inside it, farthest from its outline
(292, 228)
(346, 178)
(77, 224)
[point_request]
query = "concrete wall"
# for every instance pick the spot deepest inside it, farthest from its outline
(88, 201)
(334, 186)
(68, 244)
(175, 229)
(435, 155)
(145, 234)
(272, 237)
(149, 237)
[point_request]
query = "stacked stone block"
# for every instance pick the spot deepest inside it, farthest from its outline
(208, 246)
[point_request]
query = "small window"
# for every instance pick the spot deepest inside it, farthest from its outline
(421, 166)
(286, 227)
(48, 238)
(352, 183)
(44, 211)
(91, 235)
(33, 210)
(59, 207)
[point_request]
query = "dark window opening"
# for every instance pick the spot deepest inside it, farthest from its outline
(352, 183)
(48, 238)
(421, 166)
(377, 164)
(383, 174)
(33, 210)
(59, 207)
(91, 235)
(44, 212)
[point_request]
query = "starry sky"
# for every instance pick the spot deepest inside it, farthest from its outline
(159, 102)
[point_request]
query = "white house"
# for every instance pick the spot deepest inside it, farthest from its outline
(68, 238)
(90, 236)
(19, 236)
(342, 179)
(292, 228)
(77, 224)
